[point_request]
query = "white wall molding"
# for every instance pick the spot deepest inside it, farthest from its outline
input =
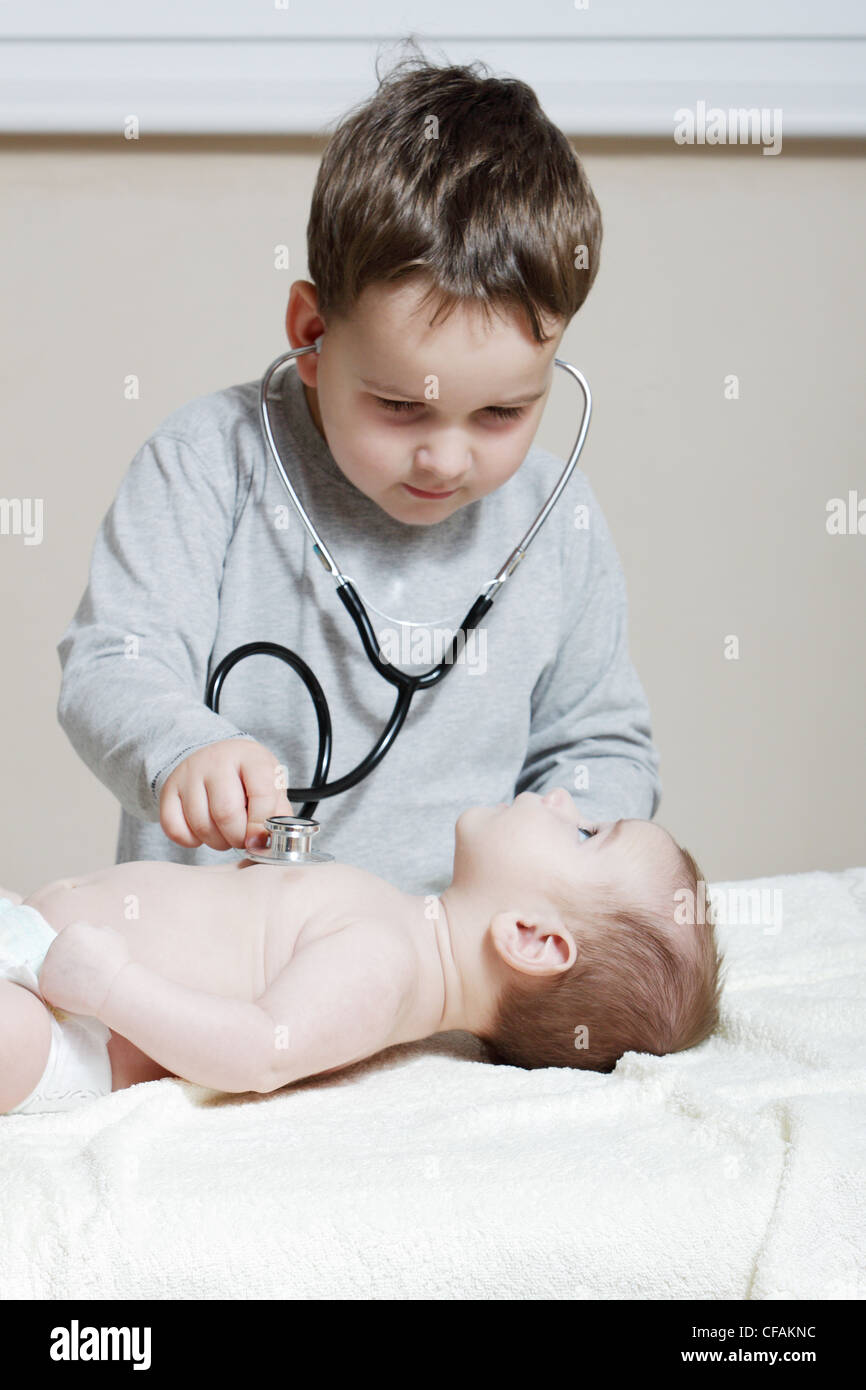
(200, 67)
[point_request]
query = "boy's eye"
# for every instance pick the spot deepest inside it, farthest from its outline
(396, 405)
(593, 830)
(502, 412)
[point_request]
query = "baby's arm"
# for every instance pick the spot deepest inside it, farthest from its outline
(339, 999)
(225, 1044)
(336, 1001)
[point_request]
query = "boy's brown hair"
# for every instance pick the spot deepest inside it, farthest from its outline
(462, 180)
(636, 986)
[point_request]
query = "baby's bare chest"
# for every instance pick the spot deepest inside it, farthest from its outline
(228, 929)
(210, 929)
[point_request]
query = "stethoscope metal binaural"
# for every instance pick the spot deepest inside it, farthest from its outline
(290, 836)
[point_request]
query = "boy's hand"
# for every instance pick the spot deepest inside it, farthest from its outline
(80, 967)
(221, 795)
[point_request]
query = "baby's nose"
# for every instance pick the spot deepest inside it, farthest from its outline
(557, 796)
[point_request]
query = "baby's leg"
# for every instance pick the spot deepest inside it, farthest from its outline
(25, 1042)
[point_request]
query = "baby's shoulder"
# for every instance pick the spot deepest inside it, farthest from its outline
(355, 946)
(340, 898)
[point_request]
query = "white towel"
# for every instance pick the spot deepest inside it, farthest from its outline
(729, 1171)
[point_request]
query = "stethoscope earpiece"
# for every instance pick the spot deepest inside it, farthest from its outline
(289, 842)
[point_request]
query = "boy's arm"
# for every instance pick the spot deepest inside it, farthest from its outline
(135, 654)
(590, 729)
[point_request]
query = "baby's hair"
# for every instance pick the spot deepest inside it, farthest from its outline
(462, 180)
(640, 983)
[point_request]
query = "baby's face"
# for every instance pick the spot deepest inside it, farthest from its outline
(539, 840)
(405, 406)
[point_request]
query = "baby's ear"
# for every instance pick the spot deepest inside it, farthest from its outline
(533, 944)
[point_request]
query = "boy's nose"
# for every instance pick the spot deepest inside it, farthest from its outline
(447, 470)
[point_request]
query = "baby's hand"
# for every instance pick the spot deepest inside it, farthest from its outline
(81, 966)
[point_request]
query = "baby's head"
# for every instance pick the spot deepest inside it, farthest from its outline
(595, 944)
(452, 236)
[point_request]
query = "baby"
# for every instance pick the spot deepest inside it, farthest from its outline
(559, 943)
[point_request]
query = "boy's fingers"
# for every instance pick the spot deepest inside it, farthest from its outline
(173, 822)
(227, 808)
(197, 814)
(264, 798)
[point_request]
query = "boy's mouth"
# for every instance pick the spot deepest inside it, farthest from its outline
(417, 492)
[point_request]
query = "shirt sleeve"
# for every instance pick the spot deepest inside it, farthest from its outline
(134, 658)
(590, 720)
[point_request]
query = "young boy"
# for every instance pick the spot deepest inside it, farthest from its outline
(558, 942)
(453, 235)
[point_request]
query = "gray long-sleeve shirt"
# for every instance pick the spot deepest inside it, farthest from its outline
(201, 551)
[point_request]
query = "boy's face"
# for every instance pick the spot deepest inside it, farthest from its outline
(536, 841)
(407, 409)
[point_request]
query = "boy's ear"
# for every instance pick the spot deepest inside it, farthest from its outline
(533, 944)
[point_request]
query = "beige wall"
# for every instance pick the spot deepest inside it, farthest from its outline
(157, 259)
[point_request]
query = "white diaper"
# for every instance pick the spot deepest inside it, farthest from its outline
(78, 1066)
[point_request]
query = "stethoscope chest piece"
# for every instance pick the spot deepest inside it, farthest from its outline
(289, 842)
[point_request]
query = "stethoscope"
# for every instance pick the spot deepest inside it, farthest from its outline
(290, 837)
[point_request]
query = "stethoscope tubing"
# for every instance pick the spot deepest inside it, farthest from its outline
(406, 684)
